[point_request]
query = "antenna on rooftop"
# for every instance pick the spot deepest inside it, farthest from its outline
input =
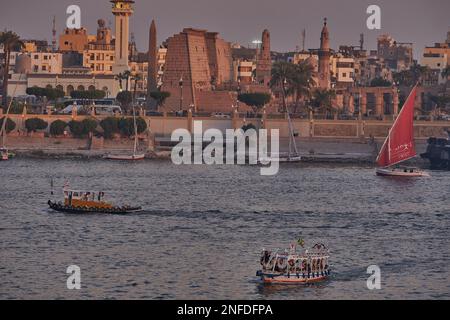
(54, 48)
(361, 41)
(303, 39)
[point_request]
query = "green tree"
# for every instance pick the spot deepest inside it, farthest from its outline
(127, 75)
(283, 75)
(410, 77)
(247, 127)
(160, 97)
(440, 101)
(82, 129)
(136, 78)
(88, 95)
(446, 72)
(126, 126)
(125, 98)
(35, 124)
(10, 42)
(57, 128)
(380, 82)
(255, 100)
(323, 100)
(10, 125)
(110, 127)
(49, 93)
(302, 81)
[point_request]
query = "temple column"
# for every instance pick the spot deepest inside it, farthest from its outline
(418, 102)
(363, 103)
(351, 104)
(379, 103)
(236, 119)
(395, 101)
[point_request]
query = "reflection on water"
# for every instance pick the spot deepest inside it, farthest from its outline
(203, 229)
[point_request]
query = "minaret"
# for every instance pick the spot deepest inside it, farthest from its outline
(264, 63)
(324, 58)
(152, 77)
(122, 10)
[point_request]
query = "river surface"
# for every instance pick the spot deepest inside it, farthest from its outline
(203, 228)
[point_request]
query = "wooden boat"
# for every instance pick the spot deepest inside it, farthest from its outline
(290, 267)
(133, 157)
(399, 144)
(89, 202)
(127, 157)
(4, 155)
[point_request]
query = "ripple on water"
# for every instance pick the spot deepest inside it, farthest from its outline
(203, 227)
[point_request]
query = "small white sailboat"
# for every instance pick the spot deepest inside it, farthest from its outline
(399, 145)
(292, 155)
(127, 157)
(4, 152)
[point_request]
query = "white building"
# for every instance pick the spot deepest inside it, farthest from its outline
(436, 62)
(343, 70)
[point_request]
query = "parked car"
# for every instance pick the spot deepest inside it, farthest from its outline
(221, 115)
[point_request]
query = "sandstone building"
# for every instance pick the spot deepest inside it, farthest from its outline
(197, 72)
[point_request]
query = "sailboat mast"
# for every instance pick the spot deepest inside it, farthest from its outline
(291, 135)
(388, 138)
(135, 131)
(5, 120)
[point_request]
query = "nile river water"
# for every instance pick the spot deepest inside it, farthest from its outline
(203, 228)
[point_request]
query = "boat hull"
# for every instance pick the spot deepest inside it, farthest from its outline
(136, 157)
(276, 278)
(386, 172)
(84, 210)
(4, 155)
(281, 159)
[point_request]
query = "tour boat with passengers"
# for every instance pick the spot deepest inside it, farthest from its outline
(89, 202)
(292, 267)
(399, 144)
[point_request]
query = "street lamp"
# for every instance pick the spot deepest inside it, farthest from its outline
(238, 93)
(181, 93)
(284, 89)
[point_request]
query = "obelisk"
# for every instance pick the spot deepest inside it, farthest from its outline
(152, 78)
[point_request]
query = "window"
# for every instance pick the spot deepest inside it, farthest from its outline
(66, 43)
(44, 68)
(36, 57)
(45, 57)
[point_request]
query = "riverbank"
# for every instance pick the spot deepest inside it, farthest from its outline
(333, 151)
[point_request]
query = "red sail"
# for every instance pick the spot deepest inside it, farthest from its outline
(399, 145)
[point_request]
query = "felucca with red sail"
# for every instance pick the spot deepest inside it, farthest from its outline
(399, 144)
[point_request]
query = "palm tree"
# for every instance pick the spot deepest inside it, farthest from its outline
(136, 78)
(119, 78)
(10, 41)
(323, 100)
(282, 79)
(303, 81)
(419, 72)
(127, 75)
(446, 72)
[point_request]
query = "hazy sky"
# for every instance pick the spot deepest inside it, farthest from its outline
(422, 22)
